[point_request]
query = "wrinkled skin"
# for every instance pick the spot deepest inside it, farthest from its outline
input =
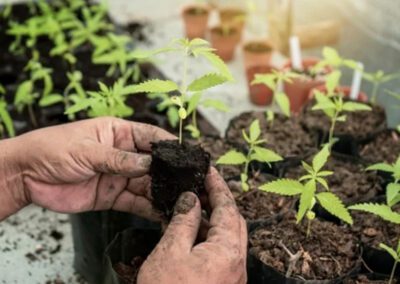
(221, 258)
(101, 164)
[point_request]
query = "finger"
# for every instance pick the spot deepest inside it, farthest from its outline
(144, 135)
(181, 233)
(140, 186)
(106, 159)
(138, 205)
(108, 189)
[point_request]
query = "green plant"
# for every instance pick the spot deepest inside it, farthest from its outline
(306, 187)
(332, 59)
(274, 81)
(377, 79)
(27, 93)
(255, 153)
(397, 97)
(333, 105)
(6, 122)
(183, 92)
(385, 211)
(167, 105)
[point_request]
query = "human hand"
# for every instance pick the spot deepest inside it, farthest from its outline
(86, 165)
(221, 258)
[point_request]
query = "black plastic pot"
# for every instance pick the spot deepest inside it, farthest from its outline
(379, 261)
(126, 246)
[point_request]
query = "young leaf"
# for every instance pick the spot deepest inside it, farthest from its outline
(390, 251)
(285, 187)
(320, 159)
(265, 155)
(332, 81)
(306, 199)
(6, 119)
(323, 102)
(381, 167)
(283, 102)
(216, 104)
(353, 106)
(152, 86)
(206, 82)
(393, 194)
(381, 210)
(194, 131)
(79, 106)
(193, 102)
(219, 64)
(255, 130)
(334, 205)
(50, 100)
(173, 116)
(232, 158)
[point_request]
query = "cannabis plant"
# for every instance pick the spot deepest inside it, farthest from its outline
(255, 153)
(308, 190)
(332, 59)
(274, 81)
(166, 105)
(6, 122)
(385, 211)
(184, 90)
(333, 105)
(377, 79)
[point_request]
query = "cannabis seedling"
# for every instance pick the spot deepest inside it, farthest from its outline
(332, 59)
(385, 211)
(6, 122)
(306, 187)
(377, 79)
(333, 105)
(184, 92)
(255, 153)
(274, 81)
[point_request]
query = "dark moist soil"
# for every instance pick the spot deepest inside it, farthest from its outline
(129, 273)
(366, 279)
(350, 182)
(384, 148)
(257, 47)
(255, 204)
(175, 169)
(285, 136)
(330, 252)
(372, 230)
(361, 125)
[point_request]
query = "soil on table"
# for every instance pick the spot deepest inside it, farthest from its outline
(328, 253)
(372, 230)
(384, 148)
(256, 204)
(350, 182)
(175, 169)
(361, 125)
(285, 135)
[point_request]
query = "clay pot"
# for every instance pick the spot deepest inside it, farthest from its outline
(257, 53)
(234, 17)
(299, 89)
(259, 94)
(224, 42)
(345, 90)
(195, 18)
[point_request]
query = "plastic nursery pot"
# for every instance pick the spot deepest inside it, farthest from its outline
(195, 18)
(367, 278)
(224, 40)
(345, 90)
(234, 17)
(259, 94)
(126, 253)
(256, 53)
(299, 89)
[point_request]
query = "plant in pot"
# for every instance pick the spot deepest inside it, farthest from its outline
(195, 19)
(287, 249)
(256, 53)
(172, 171)
(388, 212)
(234, 17)
(6, 122)
(225, 38)
(377, 79)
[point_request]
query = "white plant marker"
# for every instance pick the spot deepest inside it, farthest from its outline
(295, 53)
(357, 79)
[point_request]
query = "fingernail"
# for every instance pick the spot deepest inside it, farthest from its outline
(185, 203)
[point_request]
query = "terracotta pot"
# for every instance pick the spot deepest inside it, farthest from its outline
(259, 94)
(257, 53)
(298, 90)
(224, 44)
(195, 18)
(345, 90)
(234, 17)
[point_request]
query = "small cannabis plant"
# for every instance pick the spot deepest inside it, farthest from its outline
(385, 211)
(255, 153)
(306, 187)
(333, 105)
(274, 81)
(332, 59)
(184, 92)
(377, 79)
(6, 122)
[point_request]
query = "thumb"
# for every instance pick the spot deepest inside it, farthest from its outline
(109, 160)
(182, 231)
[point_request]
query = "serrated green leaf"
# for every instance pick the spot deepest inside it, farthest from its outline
(51, 100)
(381, 210)
(232, 158)
(306, 199)
(283, 102)
(393, 194)
(173, 116)
(216, 104)
(255, 130)
(335, 206)
(381, 167)
(267, 79)
(194, 131)
(323, 183)
(219, 64)
(307, 167)
(321, 158)
(79, 106)
(390, 251)
(285, 187)
(332, 81)
(354, 106)
(265, 155)
(323, 102)
(153, 86)
(193, 102)
(331, 55)
(206, 82)
(246, 137)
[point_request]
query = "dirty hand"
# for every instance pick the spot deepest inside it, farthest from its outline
(82, 166)
(221, 258)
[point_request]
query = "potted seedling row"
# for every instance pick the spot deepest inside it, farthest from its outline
(195, 18)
